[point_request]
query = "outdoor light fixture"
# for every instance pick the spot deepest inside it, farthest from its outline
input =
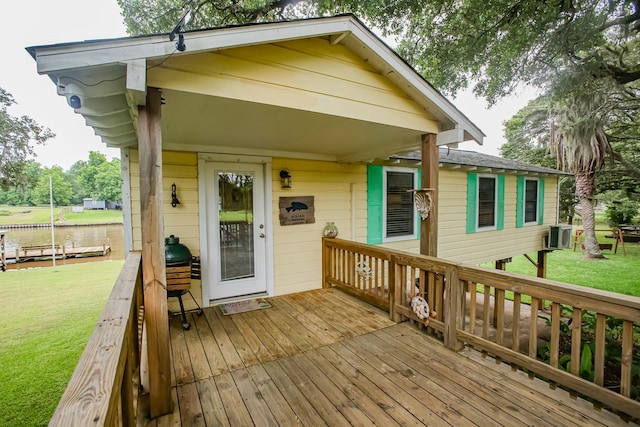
(174, 197)
(285, 178)
(179, 29)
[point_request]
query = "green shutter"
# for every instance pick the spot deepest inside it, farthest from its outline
(520, 202)
(541, 201)
(500, 204)
(472, 201)
(374, 204)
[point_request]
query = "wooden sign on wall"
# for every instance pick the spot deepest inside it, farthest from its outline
(297, 210)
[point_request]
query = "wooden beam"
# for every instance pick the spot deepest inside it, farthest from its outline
(430, 166)
(153, 263)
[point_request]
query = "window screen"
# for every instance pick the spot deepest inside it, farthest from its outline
(531, 201)
(486, 202)
(400, 211)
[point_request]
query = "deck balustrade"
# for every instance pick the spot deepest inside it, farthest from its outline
(512, 317)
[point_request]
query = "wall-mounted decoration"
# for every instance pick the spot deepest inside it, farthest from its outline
(297, 210)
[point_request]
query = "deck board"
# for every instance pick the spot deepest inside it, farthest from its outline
(326, 358)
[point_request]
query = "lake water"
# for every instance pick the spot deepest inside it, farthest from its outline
(95, 235)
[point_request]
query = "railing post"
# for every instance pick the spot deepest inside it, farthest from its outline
(454, 308)
(325, 263)
(394, 291)
(395, 283)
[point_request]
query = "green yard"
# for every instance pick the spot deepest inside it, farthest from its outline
(618, 273)
(49, 316)
(42, 214)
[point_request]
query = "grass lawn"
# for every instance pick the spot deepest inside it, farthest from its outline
(42, 214)
(617, 273)
(48, 319)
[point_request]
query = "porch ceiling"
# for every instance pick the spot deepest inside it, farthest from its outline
(200, 122)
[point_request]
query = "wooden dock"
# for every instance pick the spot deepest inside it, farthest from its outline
(43, 252)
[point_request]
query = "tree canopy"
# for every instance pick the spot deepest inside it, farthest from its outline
(17, 137)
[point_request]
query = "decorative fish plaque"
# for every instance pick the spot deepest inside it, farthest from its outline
(297, 210)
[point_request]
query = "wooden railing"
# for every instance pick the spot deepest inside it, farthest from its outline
(532, 323)
(104, 387)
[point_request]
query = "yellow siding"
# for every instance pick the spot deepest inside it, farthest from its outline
(455, 244)
(310, 75)
(340, 195)
(297, 249)
(181, 221)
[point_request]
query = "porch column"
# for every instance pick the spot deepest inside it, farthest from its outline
(430, 166)
(153, 264)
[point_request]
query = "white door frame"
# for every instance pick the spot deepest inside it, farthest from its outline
(205, 245)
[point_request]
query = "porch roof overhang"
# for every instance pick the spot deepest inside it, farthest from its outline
(111, 78)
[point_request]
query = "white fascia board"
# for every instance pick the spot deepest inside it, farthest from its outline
(95, 53)
(412, 79)
(451, 136)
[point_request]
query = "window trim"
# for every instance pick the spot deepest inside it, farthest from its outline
(524, 202)
(416, 230)
(521, 200)
(495, 203)
(472, 202)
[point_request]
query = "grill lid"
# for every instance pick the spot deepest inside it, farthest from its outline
(175, 253)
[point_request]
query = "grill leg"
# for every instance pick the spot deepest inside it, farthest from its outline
(199, 312)
(185, 324)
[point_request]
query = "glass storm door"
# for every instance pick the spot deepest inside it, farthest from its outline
(236, 230)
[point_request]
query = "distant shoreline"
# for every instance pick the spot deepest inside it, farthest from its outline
(48, 225)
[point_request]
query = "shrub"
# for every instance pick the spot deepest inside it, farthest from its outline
(5, 213)
(621, 212)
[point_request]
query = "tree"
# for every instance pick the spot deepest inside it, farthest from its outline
(90, 171)
(17, 136)
(73, 177)
(108, 181)
(61, 188)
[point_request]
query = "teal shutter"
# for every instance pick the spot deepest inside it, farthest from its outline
(374, 204)
(520, 202)
(500, 204)
(472, 201)
(541, 201)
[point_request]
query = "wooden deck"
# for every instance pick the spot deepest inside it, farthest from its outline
(326, 358)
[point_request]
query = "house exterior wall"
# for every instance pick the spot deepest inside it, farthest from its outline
(183, 220)
(340, 195)
(456, 244)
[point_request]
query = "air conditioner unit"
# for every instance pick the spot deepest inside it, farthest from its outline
(560, 237)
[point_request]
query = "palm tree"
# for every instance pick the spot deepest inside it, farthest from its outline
(580, 144)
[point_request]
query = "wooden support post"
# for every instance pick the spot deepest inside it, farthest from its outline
(454, 313)
(430, 167)
(153, 264)
(542, 269)
(501, 264)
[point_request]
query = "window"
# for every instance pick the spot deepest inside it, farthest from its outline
(391, 214)
(399, 218)
(485, 202)
(530, 201)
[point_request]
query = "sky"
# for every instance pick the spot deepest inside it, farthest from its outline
(43, 22)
